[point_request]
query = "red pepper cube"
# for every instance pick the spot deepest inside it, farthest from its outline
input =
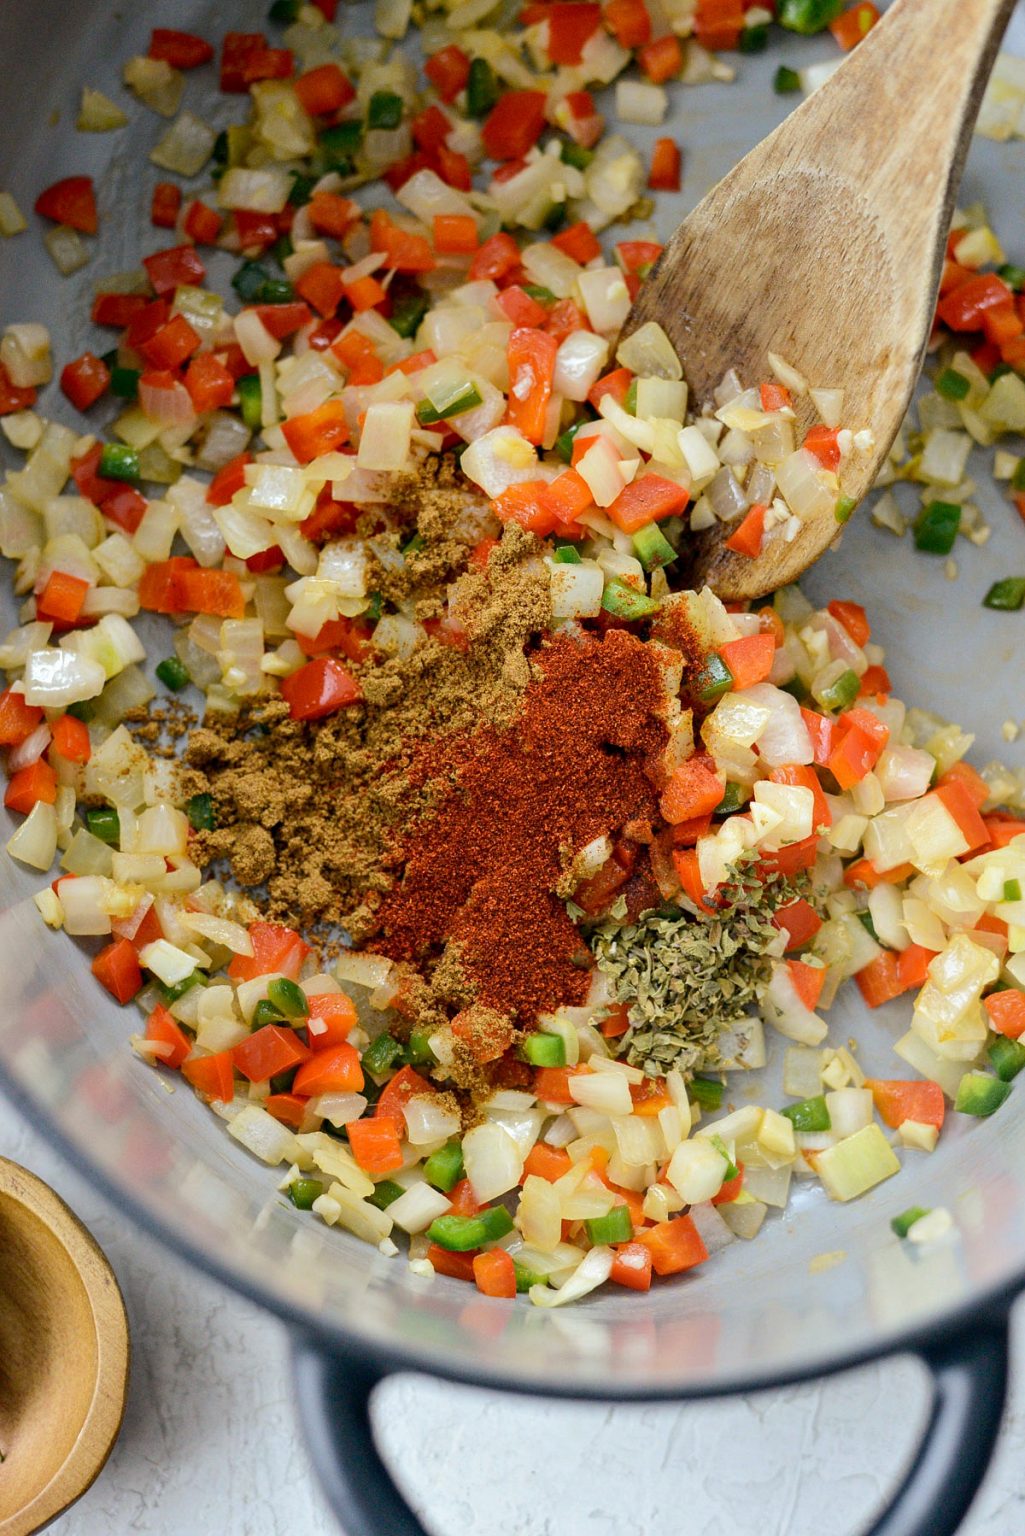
(514, 124)
(84, 380)
(177, 267)
(202, 224)
(209, 383)
(71, 201)
(182, 50)
(61, 599)
(448, 70)
(320, 688)
(166, 205)
(172, 345)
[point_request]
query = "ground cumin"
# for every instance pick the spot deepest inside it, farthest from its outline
(313, 814)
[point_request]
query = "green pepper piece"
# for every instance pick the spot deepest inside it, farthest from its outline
(567, 554)
(385, 110)
(444, 1168)
(170, 995)
(564, 442)
(1018, 478)
(385, 1192)
(250, 399)
(626, 602)
(651, 546)
(382, 1054)
(953, 385)
(615, 1227)
(412, 545)
(340, 143)
(844, 508)
(903, 1223)
(461, 1234)
(525, 1277)
(539, 294)
(219, 153)
(104, 824)
(119, 462)
(1012, 890)
(576, 155)
(754, 39)
(1007, 1056)
(842, 693)
(980, 1095)
(467, 399)
(265, 1012)
(1013, 276)
(809, 1114)
(630, 405)
(84, 710)
(936, 527)
(289, 999)
(712, 680)
(808, 16)
(543, 1050)
(248, 281)
(124, 382)
(787, 81)
(733, 799)
(496, 1222)
(731, 1168)
(276, 290)
(482, 89)
(200, 811)
(303, 1192)
(418, 1048)
(284, 12)
(1006, 596)
(173, 673)
(865, 919)
(706, 1092)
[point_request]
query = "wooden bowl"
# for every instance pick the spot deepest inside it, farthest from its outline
(64, 1354)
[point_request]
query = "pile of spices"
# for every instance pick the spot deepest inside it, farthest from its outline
(481, 872)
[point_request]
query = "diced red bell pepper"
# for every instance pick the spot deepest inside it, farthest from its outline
(365, 293)
(875, 683)
(283, 320)
(531, 355)
(545, 1162)
(317, 432)
(61, 599)
(172, 345)
(526, 504)
(165, 206)
(854, 756)
(228, 480)
(824, 443)
(570, 26)
(455, 234)
(852, 617)
(749, 659)
(337, 1014)
(209, 383)
(800, 920)
(116, 967)
(17, 719)
(913, 965)
(213, 1076)
(320, 688)
(497, 257)
(648, 499)
(494, 1271)
(12, 397)
(864, 873)
(165, 1030)
(898, 1101)
(331, 214)
(566, 497)
(71, 739)
(666, 166)
(448, 70)
(688, 871)
(719, 23)
(322, 286)
(563, 319)
(182, 50)
(594, 894)
(30, 785)
(334, 1070)
(579, 242)
(854, 24)
(71, 201)
(126, 506)
(1006, 1012)
(375, 1145)
(746, 538)
(790, 860)
(84, 380)
(324, 90)
(430, 128)
(237, 53)
(117, 309)
(276, 950)
(514, 124)
(879, 982)
(808, 981)
(661, 60)
(629, 22)
(174, 268)
(693, 790)
(458, 1266)
(210, 591)
(404, 252)
(674, 1245)
(637, 257)
(964, 307)
(291, 1111)
(147, 322)
(271, 1050)
(202, 224)
(823, 732)
(255, 230)
(962, 804)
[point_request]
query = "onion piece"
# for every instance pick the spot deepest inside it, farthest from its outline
(593, 1270)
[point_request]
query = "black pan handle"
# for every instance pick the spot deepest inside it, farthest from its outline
(969, 1369)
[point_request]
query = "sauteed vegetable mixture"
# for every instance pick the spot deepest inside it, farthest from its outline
(407, 513)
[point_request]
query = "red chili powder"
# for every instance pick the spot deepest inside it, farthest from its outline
(482, 870)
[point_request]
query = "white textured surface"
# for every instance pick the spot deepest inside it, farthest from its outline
(210, 1442)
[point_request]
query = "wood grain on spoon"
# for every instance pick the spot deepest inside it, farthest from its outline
(825, 245)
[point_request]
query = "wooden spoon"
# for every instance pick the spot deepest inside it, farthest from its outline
(825, 245)
(63, 1355)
